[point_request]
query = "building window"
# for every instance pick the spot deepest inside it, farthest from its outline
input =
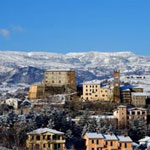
(53, 81)
(49, 145)
(38, 137)
(55, 146)
(44, 137)
(92, 148)
(59, 145)
(95, 95)
(48, 137)
(44, 145)
(143, 112)
(120, 144)
(32, 137)
(97, 142)
(133, 113)
(59, 81)
(111, 143)
(106, 143)
(138, 112)
(92, 141)
(125, 145)
(54, 137)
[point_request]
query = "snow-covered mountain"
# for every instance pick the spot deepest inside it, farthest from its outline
(28, 67)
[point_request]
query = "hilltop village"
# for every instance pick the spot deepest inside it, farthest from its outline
(61, 114)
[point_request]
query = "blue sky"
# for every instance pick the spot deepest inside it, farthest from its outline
(75, 25)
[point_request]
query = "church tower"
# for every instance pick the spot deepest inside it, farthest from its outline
(122, 117)
(116, 84)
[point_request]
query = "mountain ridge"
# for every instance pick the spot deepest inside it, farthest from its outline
(19, 67)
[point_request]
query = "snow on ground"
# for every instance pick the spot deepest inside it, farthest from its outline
(141, 81)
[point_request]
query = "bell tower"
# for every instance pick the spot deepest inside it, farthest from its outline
(116, 88)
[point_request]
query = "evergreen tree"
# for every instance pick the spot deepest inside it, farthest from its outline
(137, 130)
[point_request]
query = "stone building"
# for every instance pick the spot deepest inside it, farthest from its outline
(136, 113)
(45, 139)
(126, 96)
(116, 85)
(121, 115)
(126, 92)
(59, 78)
(14, 102)
(36, 91)
(93, 90)
(54, 82)
(98, 141)
(140, 99)
(126, 115)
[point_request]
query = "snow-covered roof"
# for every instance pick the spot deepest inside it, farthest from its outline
(124, 139)
(130, 86)
(125, 87)
(138, 87)
(120, 106)
(94, 135)
(135, 144)
(103, 116)
(93, 82)
(13, 99)
(44, 130)
(147, 138)
(105, 86)
(140, 94)
(126, 90)
(108, 137)
(59, 70)
(143, 109)
(111, 137)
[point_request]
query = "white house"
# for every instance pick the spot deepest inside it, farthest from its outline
(15, 102)
(144, 141)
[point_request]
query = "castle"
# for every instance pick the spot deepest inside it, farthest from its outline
(54, 82)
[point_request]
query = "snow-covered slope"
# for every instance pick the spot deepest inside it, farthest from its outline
(28, 67)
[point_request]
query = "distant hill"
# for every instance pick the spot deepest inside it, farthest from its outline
(28, 67)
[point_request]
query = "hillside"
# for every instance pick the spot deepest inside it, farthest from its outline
(25, 68)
